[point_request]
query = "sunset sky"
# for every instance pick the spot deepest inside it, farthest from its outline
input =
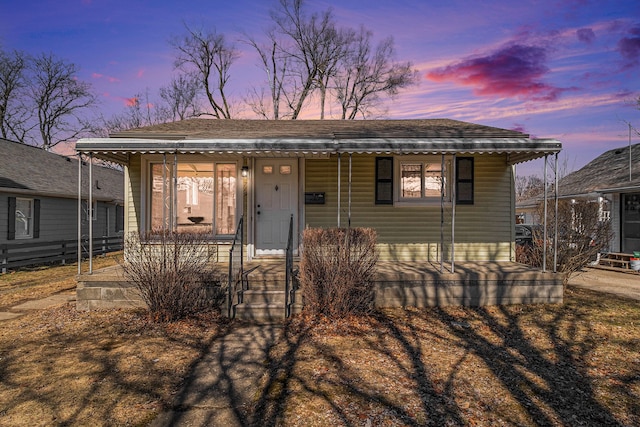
(568, 70)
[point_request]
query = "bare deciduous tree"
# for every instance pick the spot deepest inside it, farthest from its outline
(140, 111)
(309, 56)
(59, 99)
(181, 96)
(211, 56)
(364, 74)
(14, 112)
(528, 187)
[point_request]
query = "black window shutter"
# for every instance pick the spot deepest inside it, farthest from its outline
(119, 218)
(11, 230)
(36, 218)
(464, 180)
(384, 180)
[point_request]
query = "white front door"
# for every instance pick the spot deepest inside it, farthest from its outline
(276, 196)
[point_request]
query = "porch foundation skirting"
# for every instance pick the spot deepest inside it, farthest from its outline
(106, 288)
(396, 285)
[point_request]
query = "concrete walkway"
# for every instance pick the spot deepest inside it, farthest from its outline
(40, 304)
(611, 282)
(224, 384)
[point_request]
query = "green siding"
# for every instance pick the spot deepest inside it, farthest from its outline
(133, 195)
(483, 231)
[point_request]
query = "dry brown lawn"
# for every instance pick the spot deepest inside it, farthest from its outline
(572, 364)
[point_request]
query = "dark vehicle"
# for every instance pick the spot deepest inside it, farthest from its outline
(525, 233)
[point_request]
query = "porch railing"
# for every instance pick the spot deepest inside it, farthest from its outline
(236, 267)
(289, 273)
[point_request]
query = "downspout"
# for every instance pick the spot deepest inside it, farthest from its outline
(79, 213)
(349, 213)
(339, 168)
(453, 216)
(90, 210)
(544, 231)
(555, 232)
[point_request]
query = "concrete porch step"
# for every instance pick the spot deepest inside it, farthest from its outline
(263, 296)
(264, 311)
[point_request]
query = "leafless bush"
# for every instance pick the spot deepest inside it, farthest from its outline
(174, 273)
(337, 269)
(581, 236)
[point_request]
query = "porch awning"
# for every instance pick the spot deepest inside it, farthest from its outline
(518, 150)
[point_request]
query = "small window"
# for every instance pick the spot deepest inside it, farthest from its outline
(285, 169)
(464, 180)
(24, 218)
(422, 180)
(119, 218)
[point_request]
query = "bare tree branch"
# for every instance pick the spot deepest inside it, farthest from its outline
(211, 56)
(14, 112)
(59, 100)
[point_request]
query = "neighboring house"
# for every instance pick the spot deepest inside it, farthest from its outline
(408, 179)
(613, 180)
(39, 205)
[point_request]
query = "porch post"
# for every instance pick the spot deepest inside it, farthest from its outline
(339, 167)
(544, 231)
(164, 191)
(174, 196)
(453, 215)
(555, 233)
(90, 210)
(79, 213)
(441, 213)
(349, 213)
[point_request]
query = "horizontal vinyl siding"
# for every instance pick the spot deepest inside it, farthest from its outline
(483, 230)
(133, 191)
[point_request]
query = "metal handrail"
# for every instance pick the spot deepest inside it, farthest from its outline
(235, 273)
(288, 270)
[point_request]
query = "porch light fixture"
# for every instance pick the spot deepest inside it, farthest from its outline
(245, 171)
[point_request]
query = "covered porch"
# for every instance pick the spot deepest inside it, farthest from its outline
(398, 284)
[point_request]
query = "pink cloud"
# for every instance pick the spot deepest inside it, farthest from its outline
(110, 79)
(140, 73)
(130, 102)
(514, 70)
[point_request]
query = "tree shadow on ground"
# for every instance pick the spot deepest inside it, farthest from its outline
(513, 365)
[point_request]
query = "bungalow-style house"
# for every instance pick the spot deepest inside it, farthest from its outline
(613, 180)
(438, 192)
(39, 206)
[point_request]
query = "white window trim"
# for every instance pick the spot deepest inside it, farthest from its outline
(30, 219)
(398, 200)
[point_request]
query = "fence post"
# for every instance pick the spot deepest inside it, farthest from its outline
(64, 253)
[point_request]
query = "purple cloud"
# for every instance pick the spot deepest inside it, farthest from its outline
(513, 70)
(586, 35)
(629, 47)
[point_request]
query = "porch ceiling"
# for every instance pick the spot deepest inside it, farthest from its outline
(518, 149)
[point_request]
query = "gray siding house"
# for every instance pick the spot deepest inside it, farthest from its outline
(39, 205)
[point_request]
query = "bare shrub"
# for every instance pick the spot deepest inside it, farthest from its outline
(337, 269)
(582, 235)
(174, 273)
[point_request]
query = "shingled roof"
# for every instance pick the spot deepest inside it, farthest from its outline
(319, 137)
(25, 169)
(608, 172)
(317, 129)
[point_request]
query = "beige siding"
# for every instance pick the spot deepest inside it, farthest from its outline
(483, 230)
